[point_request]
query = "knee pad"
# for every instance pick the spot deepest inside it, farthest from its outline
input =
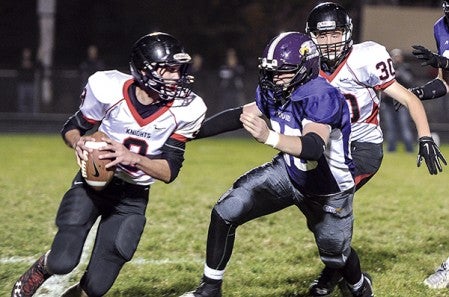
(128, 236)
(234, 205)
(333, 253)
(334, 247)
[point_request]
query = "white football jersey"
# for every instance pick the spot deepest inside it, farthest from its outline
(106, 100)
(366, 70)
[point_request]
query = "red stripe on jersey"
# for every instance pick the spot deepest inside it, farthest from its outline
(373, 118)
(91, 121)
(142, 121)
(179, 137)
(384, 85)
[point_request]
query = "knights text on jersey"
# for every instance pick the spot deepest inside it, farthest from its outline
(441, 34)
(367, 69)
(317, 101)
(107, 101)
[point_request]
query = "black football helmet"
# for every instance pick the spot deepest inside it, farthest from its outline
(289, 52)
(158, 50)
(330, 16)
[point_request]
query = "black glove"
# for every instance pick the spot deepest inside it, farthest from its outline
(430, 58)
(431, 154)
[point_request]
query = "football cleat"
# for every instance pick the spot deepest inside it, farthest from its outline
(32, 279)
(367, 289)
(325, 284)
(439, 279)
(205, 289)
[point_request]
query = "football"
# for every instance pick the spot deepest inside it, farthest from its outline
(93, 170)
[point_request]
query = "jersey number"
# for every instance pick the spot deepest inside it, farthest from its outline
(137, 146)
(303, 165)
(386, 69)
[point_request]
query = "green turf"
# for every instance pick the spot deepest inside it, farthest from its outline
(401, 227)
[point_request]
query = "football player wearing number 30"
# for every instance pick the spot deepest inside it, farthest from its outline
(148, 117)
(359, 71)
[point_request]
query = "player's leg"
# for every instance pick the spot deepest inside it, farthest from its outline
(75, 217)
(367, 158)
(118, 235)
(357, 283)
(331, 221)
(262, 191)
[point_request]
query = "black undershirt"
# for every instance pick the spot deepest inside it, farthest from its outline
(144, 110)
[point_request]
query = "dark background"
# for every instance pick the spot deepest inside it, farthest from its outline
(206, 27)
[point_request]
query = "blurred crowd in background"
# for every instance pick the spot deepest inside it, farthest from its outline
(224, 38)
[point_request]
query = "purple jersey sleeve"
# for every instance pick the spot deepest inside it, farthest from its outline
(441, 34)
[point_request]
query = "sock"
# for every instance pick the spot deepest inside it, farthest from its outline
(357, 286)
(213, 274)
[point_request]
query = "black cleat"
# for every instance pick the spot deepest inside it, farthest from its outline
(325, 284)
(206, 289)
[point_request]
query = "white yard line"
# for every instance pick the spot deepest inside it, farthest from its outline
(57, 284)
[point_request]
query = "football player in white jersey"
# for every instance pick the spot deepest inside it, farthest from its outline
(359, 71)
(148, 117)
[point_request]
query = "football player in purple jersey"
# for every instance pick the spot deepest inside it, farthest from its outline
(148, 117)
(436, 88)
(310, 127)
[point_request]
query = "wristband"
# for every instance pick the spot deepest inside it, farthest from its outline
(272, 139)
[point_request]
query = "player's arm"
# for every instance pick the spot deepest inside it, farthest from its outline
(428, 150)
(413, 104)
(310, 146)
(437, 87)
(225, 121)
(75, 127)
(433, 89)
(73, 135)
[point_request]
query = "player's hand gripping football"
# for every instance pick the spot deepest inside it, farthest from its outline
(431, 154)
(430, 58)
(81, 150)
(118, 153)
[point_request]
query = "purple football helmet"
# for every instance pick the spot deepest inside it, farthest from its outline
(289, 52)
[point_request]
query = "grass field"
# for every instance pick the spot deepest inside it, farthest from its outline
(401, 227)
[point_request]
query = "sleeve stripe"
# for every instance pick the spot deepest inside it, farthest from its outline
(92, 121)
